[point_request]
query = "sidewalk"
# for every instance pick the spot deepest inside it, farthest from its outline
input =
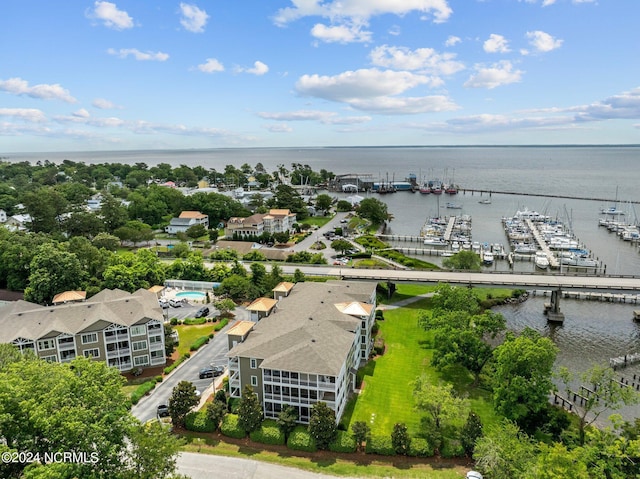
(404, 302)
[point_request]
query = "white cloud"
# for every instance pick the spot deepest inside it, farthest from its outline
(103, 104)
(501, 73)
(138, 55)
(361, 9)
(325, 117)
(81, 113)
(193, 19)
(28, 114)
(18, 86)
(543, 42)
(279, 128)
(405, 105)
(210, 66)
(421, 59)
(109, 14)
(258, 69)
(496, 44)
(340, 33)
(452, 40)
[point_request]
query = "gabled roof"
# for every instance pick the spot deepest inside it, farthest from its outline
(283, 287)
(69, 296)
(262, 304)
(192, 214)
(241, 328)
(354, 308)
(33, 321)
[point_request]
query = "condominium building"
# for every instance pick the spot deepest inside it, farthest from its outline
(276, 221)
(308, 349)
(125, 330)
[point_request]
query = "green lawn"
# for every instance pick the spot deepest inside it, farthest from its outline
(316, 220)
(188, 334)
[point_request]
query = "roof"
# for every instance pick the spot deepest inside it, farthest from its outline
(241, 328)
(192, 214)
(180, 221)
(308, 333)
(283, 287)
(280, 212)
(69, 296)
(23, 319)
(156, 289)
(354, 308)
(262, 304)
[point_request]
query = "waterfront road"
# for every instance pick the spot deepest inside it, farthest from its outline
(601, 283)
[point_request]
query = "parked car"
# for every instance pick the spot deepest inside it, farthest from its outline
(211, 372)
(202, 312)
(175, 303)
(163, 410)
(164, 304)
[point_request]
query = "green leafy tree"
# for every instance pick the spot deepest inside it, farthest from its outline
(443, 410)
(323, 202)
(463, 260)
(298, 276)
(341, 245)
(239, 288)
(83, 223)
(153, 452)
(322, 424)
(604, 394)
(225, 306)
(373, 210)
(361, 433)
(196, 231)
(216, 411)
(182, 400)
(106, 241)
(45, 206)
(470, 433)
(250, 414)
(343, 206)
(400, 439)
(522, 375)
(281, 237)
(114, 214)
(287, 420)
(169, 341)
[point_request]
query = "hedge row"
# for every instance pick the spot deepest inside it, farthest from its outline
(192, 321)
(380, 445)
(176, 363)
(269, 433)
(198, 421)
(221, 324)
(344, 442)
(301, 440)
(141, 390)
(198, 343)
(231, 428)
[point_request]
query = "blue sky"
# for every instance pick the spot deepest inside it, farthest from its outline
(130, 74)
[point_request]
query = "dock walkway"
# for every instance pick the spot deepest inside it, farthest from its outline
(449, 230)
(542, 244)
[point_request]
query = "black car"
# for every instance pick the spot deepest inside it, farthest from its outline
(163, 410)
(211, 372)
(202, 312)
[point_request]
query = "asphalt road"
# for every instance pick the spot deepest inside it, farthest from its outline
(212, 353)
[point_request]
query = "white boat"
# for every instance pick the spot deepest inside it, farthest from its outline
(435, 241)
(487, 257)
(485, 202)
(541, 259)
(454, 206)
(524, 248)
(579, 259)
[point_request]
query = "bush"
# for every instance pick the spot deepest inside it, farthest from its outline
(198, 421)
(231, 428)
(419, 447)
(173, 322)
(221, 324)
(344, 442)
(192, 321)
(176, 363)
(268, 433)
(158, 379)
(301, 440)
(198, 343)
(380, 445)
(141, 390)
(452, 448)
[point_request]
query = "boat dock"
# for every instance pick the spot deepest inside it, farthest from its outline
(449, 230)
(542, 244)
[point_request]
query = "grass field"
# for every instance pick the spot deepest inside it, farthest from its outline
(188, 334)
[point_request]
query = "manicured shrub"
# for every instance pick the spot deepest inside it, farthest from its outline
(221, 324)
(452, 448)
(141, 390)
(198, 343)
(158, 378)
(301, 440)
(380, 445)
(419, 447)
(176, 363)
(192, 321)
(268, 433)
(231, 428)
(198, 421)
(344, 442)
(173, 322)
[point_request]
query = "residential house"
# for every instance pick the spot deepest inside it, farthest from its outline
(125, 330)
(276, 221)
(307, 350)
(186, 220)
(19, 222)
(261, 308)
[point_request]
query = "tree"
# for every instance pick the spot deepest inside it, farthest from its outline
(470, 433)
(322, 424)
(343, 206)
(169, 341)
(361, 433)
(114, 214)
(250, 413)
(298, 276)
(258, 275)
(287, 420)
(281, 237)
(224, 306)
(182, 400)
(341, 245)
(196, 231)
(83, 223)
(323, 202)
(505, 452)
(522, 375)
(153, 452)
(443, 409)
(400, 439)
(603, 393)
(373, 210)
(216, 410)
(53, 271)
(463, 260)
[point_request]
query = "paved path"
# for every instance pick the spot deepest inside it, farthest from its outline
(404, 302)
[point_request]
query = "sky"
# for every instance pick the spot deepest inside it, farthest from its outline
(129, 74)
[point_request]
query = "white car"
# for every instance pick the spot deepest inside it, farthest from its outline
(176, 303)
(474, 475)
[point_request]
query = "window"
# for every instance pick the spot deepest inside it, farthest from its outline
(89, 338)
(157, 354)
(46, 344)
(138, 330)
(50, 359)
(141, 360)
(155, 339)
(91, 353)
(254, 363)
(139, 345)
(254, 380)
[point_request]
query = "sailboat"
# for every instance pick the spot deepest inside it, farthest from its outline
(613, 210)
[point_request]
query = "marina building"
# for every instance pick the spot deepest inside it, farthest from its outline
(308, 349)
